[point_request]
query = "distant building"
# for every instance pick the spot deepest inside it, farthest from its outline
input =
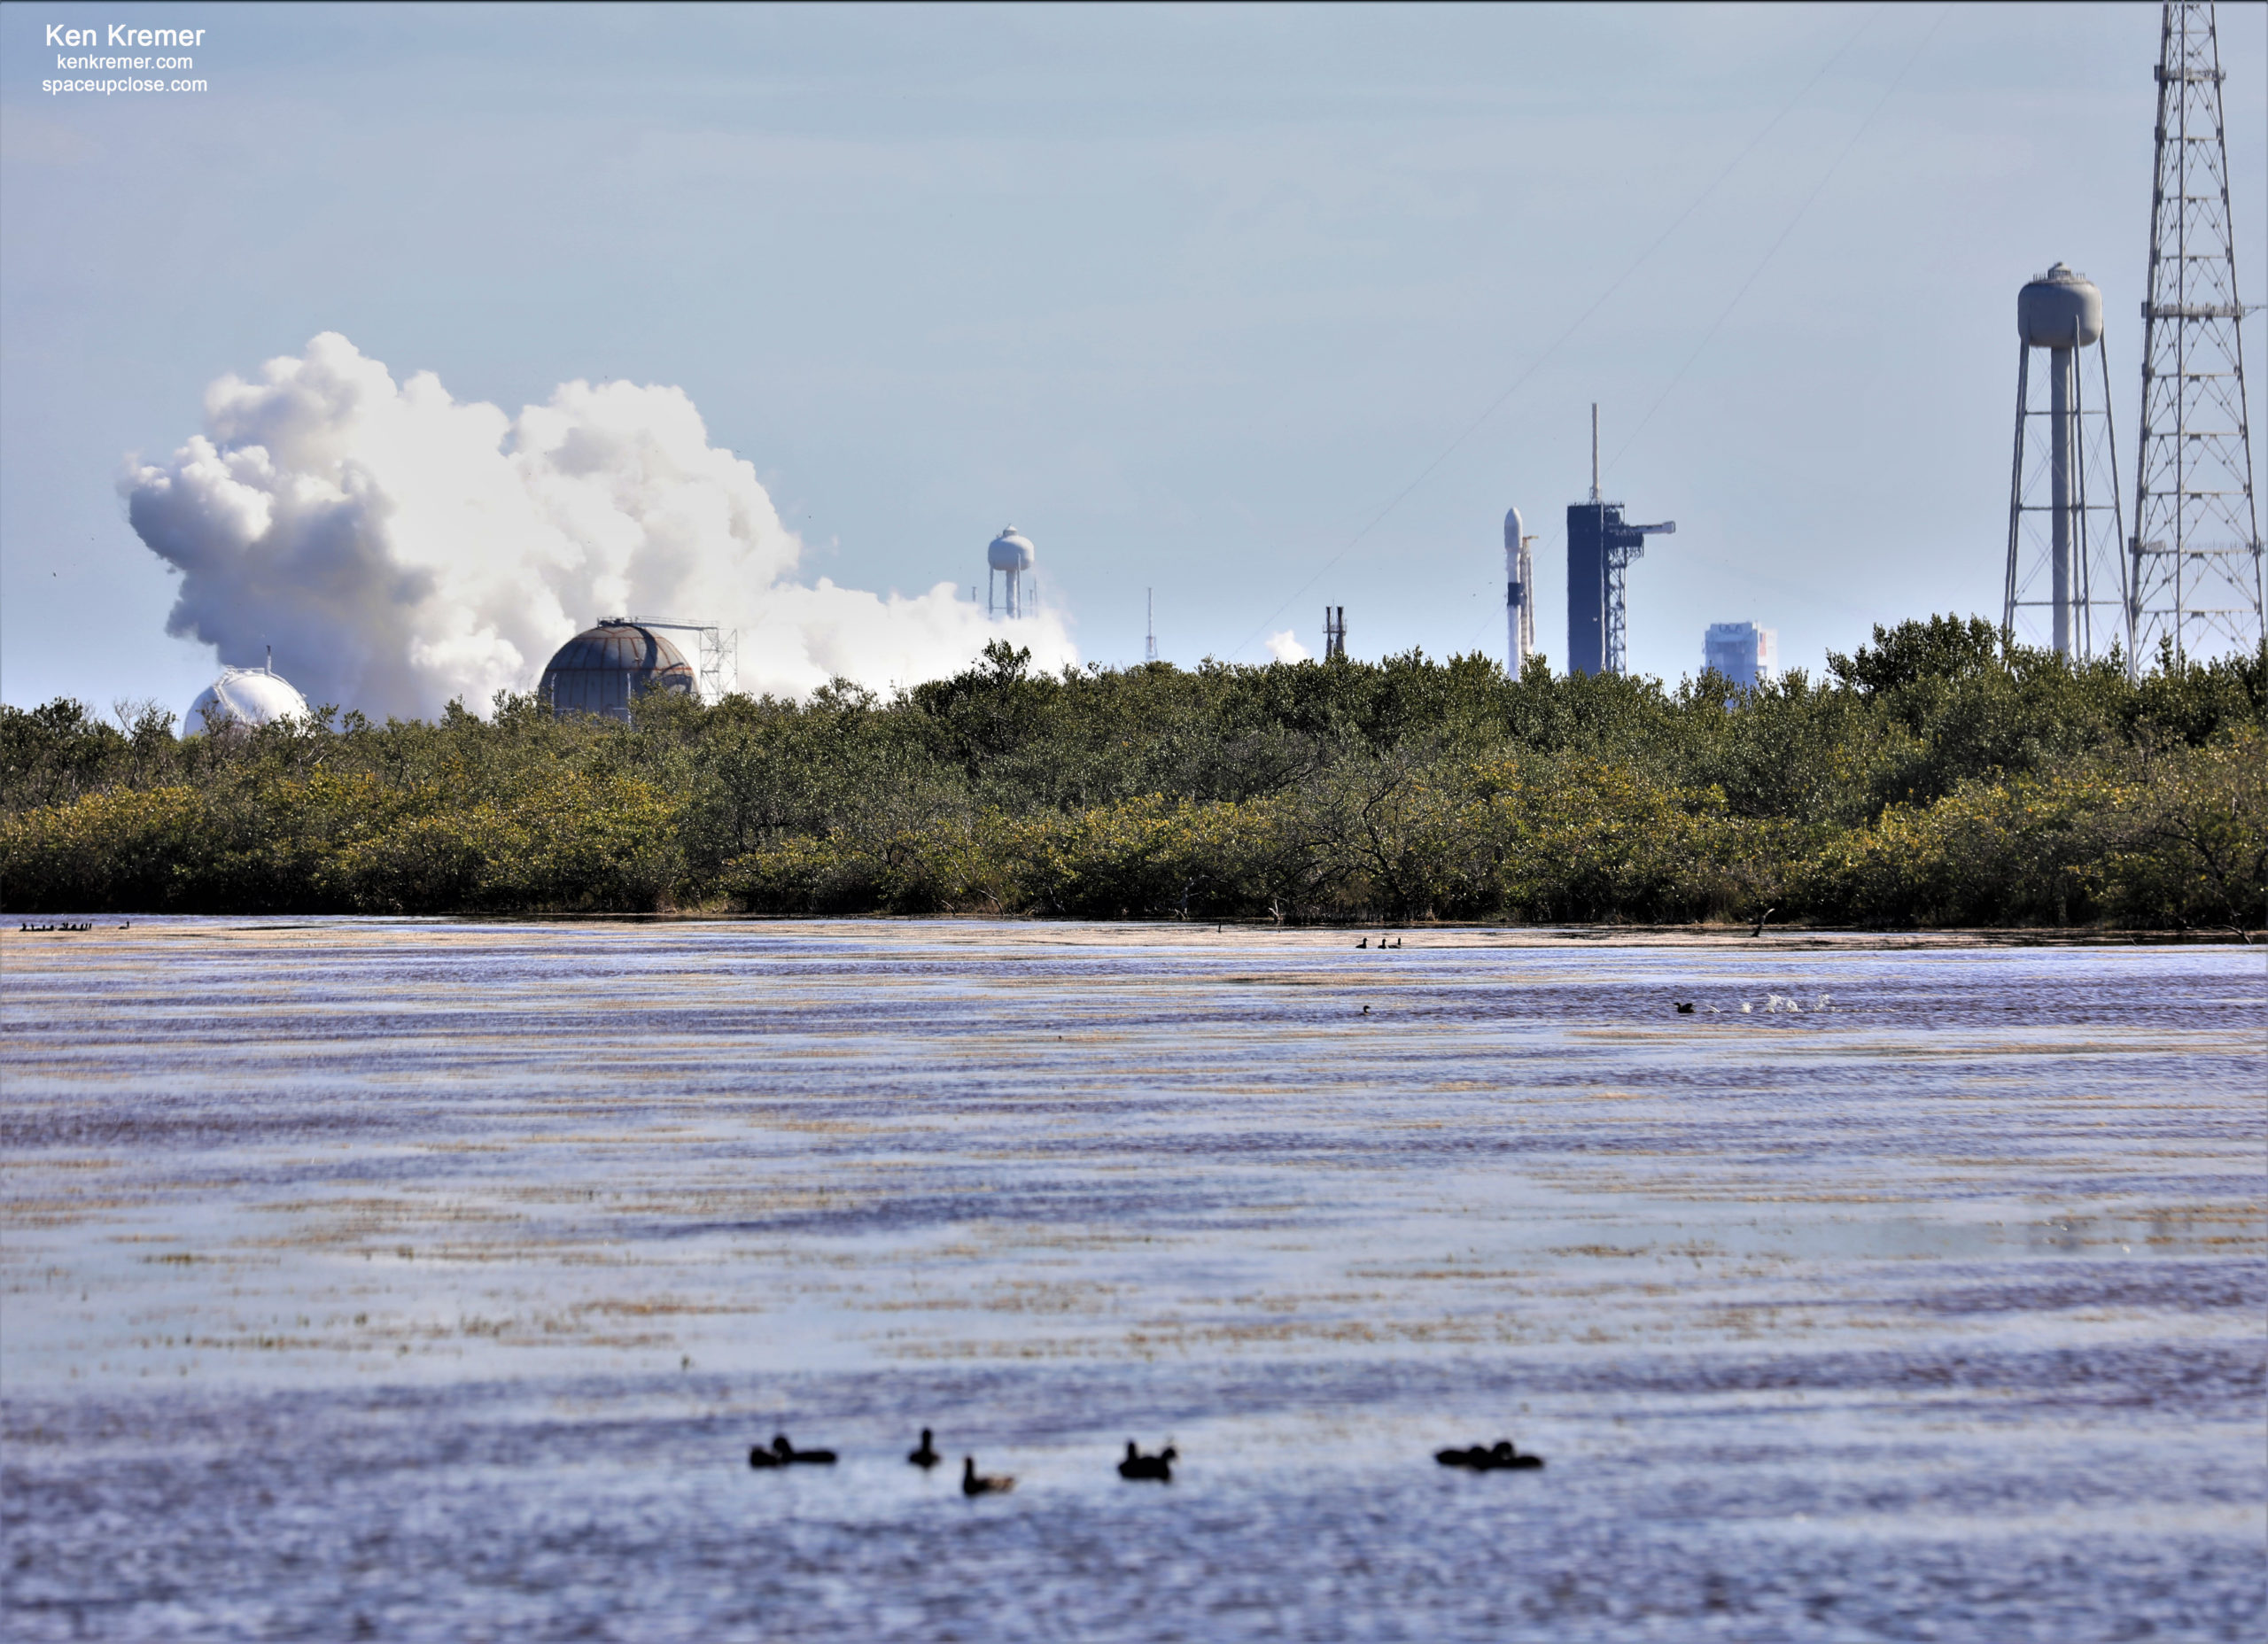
(605, 668)
(1744, 653)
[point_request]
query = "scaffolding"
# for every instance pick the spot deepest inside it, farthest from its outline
(718, 669)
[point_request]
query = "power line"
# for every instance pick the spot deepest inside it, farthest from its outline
(1537, 364)
(1773, 250)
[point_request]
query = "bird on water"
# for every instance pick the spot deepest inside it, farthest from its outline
(973, 1483)
(926, 1457)
(782, 1454)
(1685, 1010)
(1158, 1467)
(1502, 1456)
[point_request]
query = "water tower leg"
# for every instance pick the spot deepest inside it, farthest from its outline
(2063, 436)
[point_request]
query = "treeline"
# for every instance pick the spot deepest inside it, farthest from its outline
(1935, 777)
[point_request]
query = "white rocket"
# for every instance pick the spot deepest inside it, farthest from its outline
(1519, 595)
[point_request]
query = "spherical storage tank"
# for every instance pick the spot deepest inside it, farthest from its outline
(2060, 310)
(603, 669)
(245, 697)
(1009, 551)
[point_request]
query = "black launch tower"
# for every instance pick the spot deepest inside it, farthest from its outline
(1600, 548)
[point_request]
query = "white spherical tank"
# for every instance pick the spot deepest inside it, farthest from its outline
(246, 696)
(1009, 551)
(2060, 310)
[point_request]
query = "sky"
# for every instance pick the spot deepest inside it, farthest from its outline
(1260, 309)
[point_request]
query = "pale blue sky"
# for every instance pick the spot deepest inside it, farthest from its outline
(1190, 296)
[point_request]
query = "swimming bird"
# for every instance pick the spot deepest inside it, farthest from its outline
(1397, 941)
(1501, 1456)
(762, 1456)
(927, 1456)
(1685, 1010)
(1158, 1467)
(1364, 942)
(973, 1482)
(786, 1454)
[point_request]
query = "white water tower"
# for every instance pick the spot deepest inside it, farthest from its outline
(1010, 556)
(2066, 559)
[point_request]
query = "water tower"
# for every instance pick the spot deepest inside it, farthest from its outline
(1010, 556)
(2066, 575)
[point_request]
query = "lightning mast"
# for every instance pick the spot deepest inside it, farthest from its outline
(2196, 578)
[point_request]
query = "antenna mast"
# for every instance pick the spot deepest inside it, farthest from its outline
(1150, 646)
(2197, 544)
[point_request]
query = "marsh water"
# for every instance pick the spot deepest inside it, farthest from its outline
(418, 1280)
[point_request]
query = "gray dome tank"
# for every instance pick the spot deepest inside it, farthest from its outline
(603, 669)
(1009, 551)
(2053, 304)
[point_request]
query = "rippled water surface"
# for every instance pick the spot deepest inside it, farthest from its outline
(404, 1280)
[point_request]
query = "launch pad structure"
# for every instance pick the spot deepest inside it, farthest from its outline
(1600, 546)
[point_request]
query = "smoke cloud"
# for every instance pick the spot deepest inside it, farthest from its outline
(399, 549)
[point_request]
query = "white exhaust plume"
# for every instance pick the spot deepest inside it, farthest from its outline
(399, 549)
(1285, 647)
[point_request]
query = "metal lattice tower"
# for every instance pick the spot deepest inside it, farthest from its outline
(719, 669)
(2196, 578)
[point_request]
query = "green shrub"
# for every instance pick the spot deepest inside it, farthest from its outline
(1934, 777)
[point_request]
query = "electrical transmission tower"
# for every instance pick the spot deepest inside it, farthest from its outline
(2197, 544)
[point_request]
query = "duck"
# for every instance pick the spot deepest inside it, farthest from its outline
(1158, 1467)
(1502, 1456)
(1503, 1453)
(1364, 942)
(1685, 1010)
(927, 1456)
(786, 1454)
(973, 1483)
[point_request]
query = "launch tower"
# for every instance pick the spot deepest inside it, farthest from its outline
(1600, 548)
